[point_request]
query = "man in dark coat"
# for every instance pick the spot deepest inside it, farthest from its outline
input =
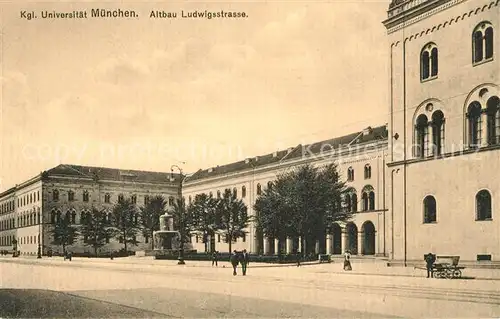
(215, 258)
(245, 259)
(234, 261)
(430, 259)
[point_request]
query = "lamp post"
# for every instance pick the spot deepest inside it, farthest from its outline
(39, 255)
(181, 213)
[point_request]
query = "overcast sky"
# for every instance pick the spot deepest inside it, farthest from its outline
(148, 93)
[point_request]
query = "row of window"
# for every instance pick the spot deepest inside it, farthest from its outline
(483, 128)
(483, 207)
(367, 200)
(7, 207)
(367, 173)
(482, 51)
(71, 215)
(107, 197)
(6, 240)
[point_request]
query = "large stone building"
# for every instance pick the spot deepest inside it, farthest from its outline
(444, 128)
(29, 210)
(425, 182)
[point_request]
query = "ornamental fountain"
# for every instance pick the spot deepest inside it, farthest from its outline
(166, 239)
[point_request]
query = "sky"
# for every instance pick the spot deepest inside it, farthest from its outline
(144, 93)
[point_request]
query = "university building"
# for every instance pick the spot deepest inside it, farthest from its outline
(425, 182)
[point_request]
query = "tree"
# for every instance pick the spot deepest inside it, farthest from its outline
(150, 216)
(96, 229)
(303, 202)
(203, 211)
(124, 222)
(273, 210)
(63, 233)
(183, 223)
(232, 217)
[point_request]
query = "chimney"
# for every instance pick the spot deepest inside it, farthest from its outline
(275, 154)
(289, 150)
(247, 160)
(367, 131)
(256, 158)
(211, 169)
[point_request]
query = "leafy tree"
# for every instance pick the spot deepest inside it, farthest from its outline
(232, 217)
(203, 211)
(150, 216)
(63, 233)
(183, 223)
(273, 209)
(303, 202)
(124, 222)
(96, 229)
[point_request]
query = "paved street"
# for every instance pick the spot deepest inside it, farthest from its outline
(141, 287)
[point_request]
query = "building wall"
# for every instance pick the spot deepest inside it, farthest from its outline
(356, 158)
(97, 192)
(453, 181)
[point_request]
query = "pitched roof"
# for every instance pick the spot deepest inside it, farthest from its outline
(114, 174)
(365, 136)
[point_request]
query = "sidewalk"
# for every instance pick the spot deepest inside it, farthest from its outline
(375, 268)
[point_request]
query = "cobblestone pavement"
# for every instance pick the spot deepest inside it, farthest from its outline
(162, 288)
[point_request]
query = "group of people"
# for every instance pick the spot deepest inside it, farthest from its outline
(237, 258)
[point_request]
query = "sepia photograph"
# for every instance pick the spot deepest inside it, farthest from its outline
(250, 159)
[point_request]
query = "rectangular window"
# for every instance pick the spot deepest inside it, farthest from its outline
(218, 238)
(483, 257)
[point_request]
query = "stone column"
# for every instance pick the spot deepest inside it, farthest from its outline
(276, 246)
(266, 246)
(361, 243)
(300, 245)
(344, 241)
(430, 144)
(329, 244)
(316, 248)
(484, 129)
(289, 245)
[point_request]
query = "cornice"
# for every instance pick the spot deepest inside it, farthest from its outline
(442, 25)
(334, 155)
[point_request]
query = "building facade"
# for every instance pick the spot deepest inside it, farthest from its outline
(444, 128)
(29, 210)
(360, 158)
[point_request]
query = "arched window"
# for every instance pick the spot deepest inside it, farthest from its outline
(421, 136)
(482, 42)
(474, 121)
(259, 189)
(429, 61)
(73, 217)
(493, 120)
(85, 196)
(67, 216)
(71, 196)
(243, 191)
(430, 212)
(120, 198)
(218, 194)
(368, 171)
(107, 198)
(58, 216)
(133, 199)
(52, 217)
(55, 195)
(483, 205)
(350, 174)
(348, 205)
(146, 199)
(270, 185)
(354, 203)
(235, 192)
(371, 200)
(438, 132)
(364, 198)
(171, 200)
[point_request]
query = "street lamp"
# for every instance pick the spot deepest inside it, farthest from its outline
(181, 213)
(39, 255)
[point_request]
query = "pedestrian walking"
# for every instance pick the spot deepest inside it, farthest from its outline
(234, 261)
(297, 256)
(430, 259)
(215, 258)
(347, 260)
(245, 259)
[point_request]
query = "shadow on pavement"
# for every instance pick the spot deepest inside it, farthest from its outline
(38, 303)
